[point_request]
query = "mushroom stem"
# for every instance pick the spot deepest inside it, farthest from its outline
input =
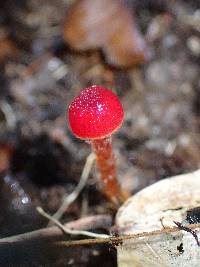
(106, 164)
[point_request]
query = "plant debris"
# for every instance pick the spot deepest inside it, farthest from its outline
(40, 75)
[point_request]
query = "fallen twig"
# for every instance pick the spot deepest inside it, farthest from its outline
(187, 229)
(116, 240)
(54, 233)
(39, 247)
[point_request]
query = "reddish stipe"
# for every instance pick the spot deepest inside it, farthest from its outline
(106, 164)
(94, 115)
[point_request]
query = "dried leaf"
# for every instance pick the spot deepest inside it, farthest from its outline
(7, 49)
(109, 25)
(153, 208)
(5, 155)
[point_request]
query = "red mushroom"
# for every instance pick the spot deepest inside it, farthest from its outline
(94, 115)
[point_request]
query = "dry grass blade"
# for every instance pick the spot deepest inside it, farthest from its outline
(67, 230)
(73, 196)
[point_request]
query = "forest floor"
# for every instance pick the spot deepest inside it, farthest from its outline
(41, 161)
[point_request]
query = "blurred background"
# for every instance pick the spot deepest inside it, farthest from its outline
(147, 52)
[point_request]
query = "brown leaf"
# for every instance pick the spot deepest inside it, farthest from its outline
(7, 49)
(6, 152)
(109, 25)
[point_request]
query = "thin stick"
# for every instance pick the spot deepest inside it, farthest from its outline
(50, 234)
(67, 230)
(39, 246)
(73, 196)
(187, 229)
(120, 239)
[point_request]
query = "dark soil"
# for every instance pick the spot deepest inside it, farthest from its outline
(39, 77)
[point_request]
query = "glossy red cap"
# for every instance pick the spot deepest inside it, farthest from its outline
(95, 113)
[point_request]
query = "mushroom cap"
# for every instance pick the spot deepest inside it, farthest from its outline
(95, 113)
